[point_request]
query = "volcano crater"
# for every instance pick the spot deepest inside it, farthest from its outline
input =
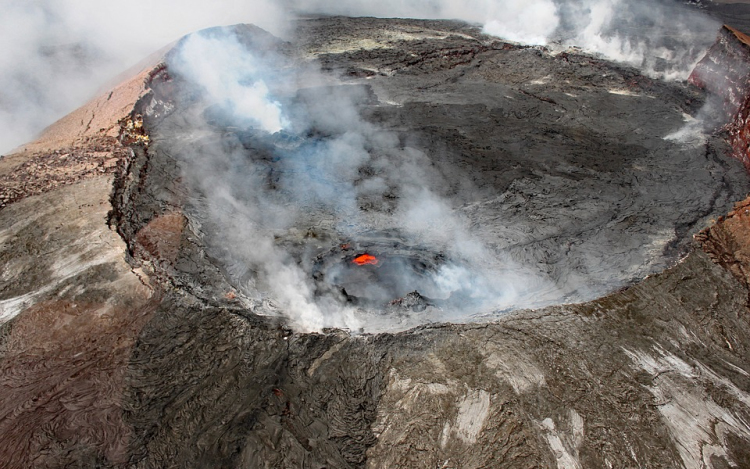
(547, 179)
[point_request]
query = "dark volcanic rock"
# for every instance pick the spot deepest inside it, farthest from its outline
(559, 164)
(735, 14)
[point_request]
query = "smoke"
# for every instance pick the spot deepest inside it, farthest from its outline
(229, 77)
(277, 183)
(524, 21)
(527, 22)
(663, 38)
(58, 54)
(719, 76)
(239, 209)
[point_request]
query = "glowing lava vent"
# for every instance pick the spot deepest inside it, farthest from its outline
(377, 269)
(365, 259)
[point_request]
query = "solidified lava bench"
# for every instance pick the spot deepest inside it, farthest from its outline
(385, 243)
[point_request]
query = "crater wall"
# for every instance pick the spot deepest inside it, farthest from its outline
(725, 73)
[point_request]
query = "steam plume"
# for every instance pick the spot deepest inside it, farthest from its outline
(59, 53)
(303, 173)
(663, 38)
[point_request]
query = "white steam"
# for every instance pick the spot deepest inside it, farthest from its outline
(251, 204)
(229, 76)
(239, 213)
(57, 54)
(524, 21)
(664, 40)
(527, 22)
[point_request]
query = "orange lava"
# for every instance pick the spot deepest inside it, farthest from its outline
(366, 259)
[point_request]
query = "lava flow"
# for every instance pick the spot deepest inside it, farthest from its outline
(366, 259)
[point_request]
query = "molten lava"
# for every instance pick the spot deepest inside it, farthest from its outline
(366, 259)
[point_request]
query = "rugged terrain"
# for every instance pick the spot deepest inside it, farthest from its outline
(132, 339)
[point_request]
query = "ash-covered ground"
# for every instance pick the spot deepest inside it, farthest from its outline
(483, 176)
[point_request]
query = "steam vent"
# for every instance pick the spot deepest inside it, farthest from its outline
(383, 244)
